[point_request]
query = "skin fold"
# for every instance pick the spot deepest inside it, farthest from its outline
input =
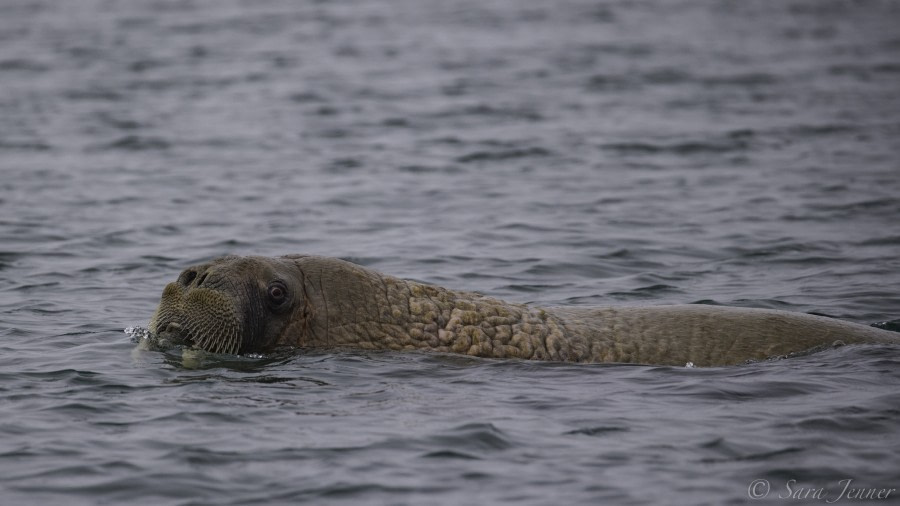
(254, 304)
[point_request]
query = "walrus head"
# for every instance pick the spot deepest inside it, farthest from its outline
(232, 304)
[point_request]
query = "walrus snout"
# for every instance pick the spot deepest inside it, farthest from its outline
(203, 309)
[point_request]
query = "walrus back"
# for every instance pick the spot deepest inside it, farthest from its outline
(708, 335)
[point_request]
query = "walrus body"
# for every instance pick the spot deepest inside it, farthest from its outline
(253, 304)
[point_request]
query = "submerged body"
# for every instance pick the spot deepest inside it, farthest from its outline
(253, 304)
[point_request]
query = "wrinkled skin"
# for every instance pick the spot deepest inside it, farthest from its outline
(253, 304)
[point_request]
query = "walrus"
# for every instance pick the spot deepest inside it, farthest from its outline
(241, 305)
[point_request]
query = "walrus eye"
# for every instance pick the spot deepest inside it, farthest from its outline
(277, 292)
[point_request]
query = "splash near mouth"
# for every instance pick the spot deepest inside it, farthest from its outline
(137, 334)
(147, 340)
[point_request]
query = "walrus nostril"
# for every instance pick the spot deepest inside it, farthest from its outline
(202, 278)
(186, 277)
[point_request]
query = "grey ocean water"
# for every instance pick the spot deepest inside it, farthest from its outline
(567, 152)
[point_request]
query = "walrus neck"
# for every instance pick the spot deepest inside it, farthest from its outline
(360, 308)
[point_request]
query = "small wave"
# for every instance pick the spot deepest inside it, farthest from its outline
(733, 453)
(475, 437)
(820, 130)
(748, 80)
(646, 292)
(365, 491)
(487, 156)
(888, 68)
(137, 143)
(871, 204)
(94, 94)
(450, 454)
(533, 288)
(25, 146)
(680, 148)
(598, 431)
(578, 270)
(22, 65)
(305, 97)
(427, 169)
(116, 122)
(889, 240)
(892, 325)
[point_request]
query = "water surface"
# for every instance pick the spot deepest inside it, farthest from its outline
(571, 152)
